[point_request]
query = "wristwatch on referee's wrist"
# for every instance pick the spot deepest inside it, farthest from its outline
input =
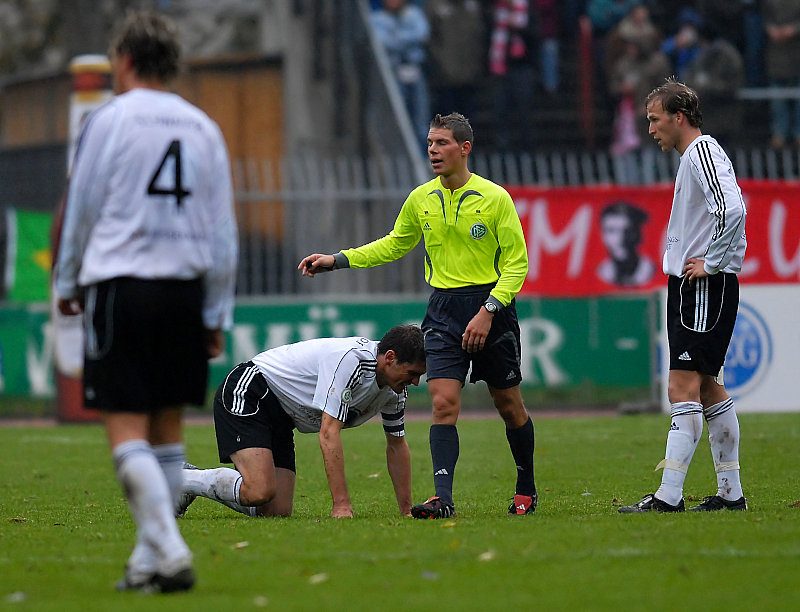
(491, 307)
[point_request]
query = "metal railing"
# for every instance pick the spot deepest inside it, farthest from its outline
(300, 205)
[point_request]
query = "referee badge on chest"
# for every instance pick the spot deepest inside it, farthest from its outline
(478, 231)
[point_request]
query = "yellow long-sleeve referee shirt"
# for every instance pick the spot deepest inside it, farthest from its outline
(473, 236)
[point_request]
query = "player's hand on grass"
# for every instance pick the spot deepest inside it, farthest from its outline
(316, 263)
(342, 511)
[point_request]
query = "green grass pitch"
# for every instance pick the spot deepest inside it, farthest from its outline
(65, 532)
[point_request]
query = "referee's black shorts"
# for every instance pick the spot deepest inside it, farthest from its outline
(449, 312)
(248, 415)
(700, 320)
(145, 345)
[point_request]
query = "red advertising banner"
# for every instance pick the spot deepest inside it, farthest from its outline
(597, 240)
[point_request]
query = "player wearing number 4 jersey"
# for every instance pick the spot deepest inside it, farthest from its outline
(704, 252)
(148, 252)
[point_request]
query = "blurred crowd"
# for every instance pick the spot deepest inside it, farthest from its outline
(509, 56)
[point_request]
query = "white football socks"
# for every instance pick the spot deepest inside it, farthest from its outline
(684, 433)
(220, 484)
(723, 436)
(171, 458)
(151, 506)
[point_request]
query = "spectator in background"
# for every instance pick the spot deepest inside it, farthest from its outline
(621, 229)
(725, 16)
(716, 73)
(458, 57)
(638, 66)
(512, 49)
(682, 47)
(666, 14)
(782, 20)
(754, 41)
(548, 18)
(636, 26)
(403, 30)
(605, 15)
(570, 14)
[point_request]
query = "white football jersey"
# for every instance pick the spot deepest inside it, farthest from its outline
(332, 375)
(150, 197)
(708, 213)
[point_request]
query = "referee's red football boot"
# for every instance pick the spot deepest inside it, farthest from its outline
(523, 504)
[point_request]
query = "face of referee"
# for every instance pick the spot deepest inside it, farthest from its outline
(445, 154)
(396, 375)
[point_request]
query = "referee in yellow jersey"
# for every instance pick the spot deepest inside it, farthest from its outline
(476, 261)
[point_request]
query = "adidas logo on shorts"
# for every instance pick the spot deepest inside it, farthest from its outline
(685, 356)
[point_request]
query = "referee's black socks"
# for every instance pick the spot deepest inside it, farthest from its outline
(521, 441)
(444, 455)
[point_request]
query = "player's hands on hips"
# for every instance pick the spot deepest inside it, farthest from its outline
(70, 307)
(695, 268)
(474, 337)
(342, 511)
(316, 263)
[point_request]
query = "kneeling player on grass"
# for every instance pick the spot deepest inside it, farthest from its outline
(323, 386)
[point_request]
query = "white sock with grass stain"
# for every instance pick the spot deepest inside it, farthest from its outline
(723, 436)
(220, 484)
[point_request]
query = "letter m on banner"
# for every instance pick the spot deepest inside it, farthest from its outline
(542, 239)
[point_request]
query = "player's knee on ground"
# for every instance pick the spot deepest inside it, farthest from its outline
(276, 508)
(256, 493)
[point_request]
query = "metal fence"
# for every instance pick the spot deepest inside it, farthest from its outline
(310, 204)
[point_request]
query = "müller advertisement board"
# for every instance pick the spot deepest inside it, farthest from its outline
(761, 366)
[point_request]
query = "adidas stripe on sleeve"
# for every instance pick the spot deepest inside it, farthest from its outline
(708, 212)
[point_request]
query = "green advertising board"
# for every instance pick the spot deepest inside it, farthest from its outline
(576, 348)
(25, 351)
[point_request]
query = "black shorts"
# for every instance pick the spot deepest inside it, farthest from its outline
(247, 415)
(449, 312)
(145, 345)
(700, 320)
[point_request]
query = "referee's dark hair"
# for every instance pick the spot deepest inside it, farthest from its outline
(456, 123)
(678, 97)
(151, 41)
(407, 342)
